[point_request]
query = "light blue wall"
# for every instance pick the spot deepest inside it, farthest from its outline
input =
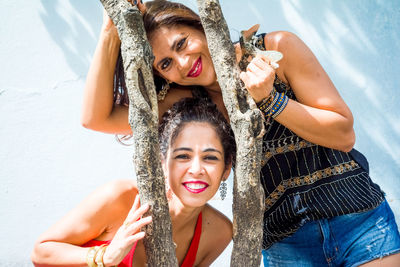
(48, 162)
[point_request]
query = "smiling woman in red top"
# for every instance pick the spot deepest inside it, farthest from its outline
(314, 181)
(197, 148)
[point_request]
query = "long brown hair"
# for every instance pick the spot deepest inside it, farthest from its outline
(159, 13)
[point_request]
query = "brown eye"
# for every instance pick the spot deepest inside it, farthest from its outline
(181, 156)
(165, 64)
(181, 43)
(211, 158)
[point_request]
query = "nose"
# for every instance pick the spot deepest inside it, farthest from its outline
(183, 61)
(196, 167)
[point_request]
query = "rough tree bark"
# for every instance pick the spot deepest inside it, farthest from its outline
(143, 118)
(247, 124)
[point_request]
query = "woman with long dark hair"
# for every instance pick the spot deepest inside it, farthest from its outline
(322, 208)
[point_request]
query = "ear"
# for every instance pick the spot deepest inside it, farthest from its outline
(227, 171)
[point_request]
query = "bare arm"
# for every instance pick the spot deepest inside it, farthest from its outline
(98, 111)
(98, 217)
(320, 115)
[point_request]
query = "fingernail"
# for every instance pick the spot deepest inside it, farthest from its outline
(135, 2)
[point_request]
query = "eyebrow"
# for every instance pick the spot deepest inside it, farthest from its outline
(173, 47)
(191, 150)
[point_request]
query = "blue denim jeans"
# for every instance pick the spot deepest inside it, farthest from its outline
(347, 240)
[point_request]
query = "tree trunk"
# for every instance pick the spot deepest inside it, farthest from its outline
(247, 124)
(143, 118)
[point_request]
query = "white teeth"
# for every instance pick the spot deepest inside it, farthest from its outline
(195, 185)
(195, 69)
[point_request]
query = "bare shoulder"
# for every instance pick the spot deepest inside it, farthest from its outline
(120, 187)
(213, 219)
(216, 235)
(101, 211)
(118, 193)
(281, 40)
(113, 198)
(297, 56)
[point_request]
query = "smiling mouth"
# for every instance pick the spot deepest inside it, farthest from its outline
(196, 69)
(195, 187)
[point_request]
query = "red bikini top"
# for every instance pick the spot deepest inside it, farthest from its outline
(188, 261)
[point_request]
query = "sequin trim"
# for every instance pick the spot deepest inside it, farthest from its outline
(290, 144)
(271, 199)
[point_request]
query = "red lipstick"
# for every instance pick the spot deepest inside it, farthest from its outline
(195, 187)
(196, 69)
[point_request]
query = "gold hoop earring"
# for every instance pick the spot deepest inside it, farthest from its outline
(164, 90)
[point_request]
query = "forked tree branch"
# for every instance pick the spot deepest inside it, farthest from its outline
(143, 117)
(247, 124)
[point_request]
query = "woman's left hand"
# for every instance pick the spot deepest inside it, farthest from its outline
(259, 77)
(129, 233)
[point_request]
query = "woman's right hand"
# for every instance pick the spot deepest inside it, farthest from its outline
(108, 26)
(259, 77)
(98, 110)
(129, 233)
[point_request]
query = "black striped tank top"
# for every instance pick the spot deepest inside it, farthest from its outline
(304, 181)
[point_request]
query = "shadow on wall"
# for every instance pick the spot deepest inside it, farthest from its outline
(74, 26)
(357, 42)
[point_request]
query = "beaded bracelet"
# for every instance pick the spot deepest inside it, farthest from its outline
(266, 104)
(280, 105)
(274, 104)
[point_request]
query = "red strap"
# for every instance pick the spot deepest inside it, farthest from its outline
(190, 257)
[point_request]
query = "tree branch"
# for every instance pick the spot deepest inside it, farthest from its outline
(247, 124)
(143, 117)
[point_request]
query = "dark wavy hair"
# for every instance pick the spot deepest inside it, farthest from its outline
(189, 110)
(159, 13)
